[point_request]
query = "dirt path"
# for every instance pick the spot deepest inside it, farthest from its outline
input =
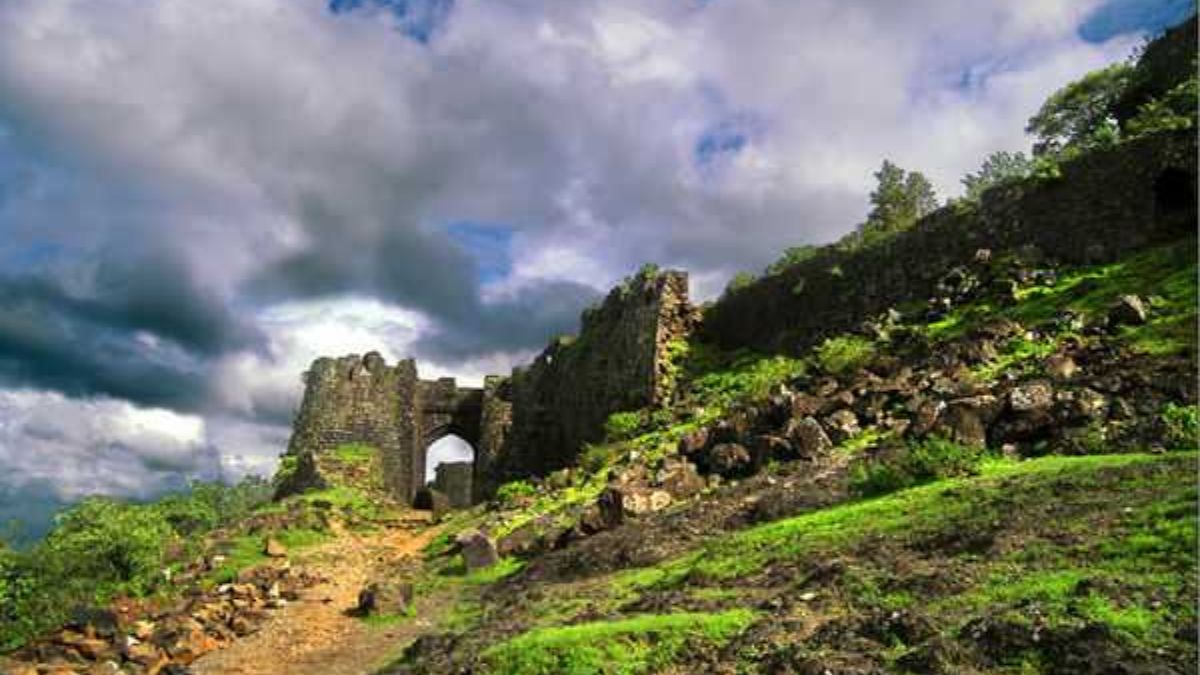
(314, 635)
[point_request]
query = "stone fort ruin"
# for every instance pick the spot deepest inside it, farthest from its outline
(528, 423)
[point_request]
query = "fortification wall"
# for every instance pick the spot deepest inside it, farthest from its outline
(619, 361)
(1104, 204)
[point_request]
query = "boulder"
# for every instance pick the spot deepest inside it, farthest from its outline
(807, 405)
(1083, 405)
(636, 500)
(808, 438)
(842, 425)
(385, 597)
(680, 479)
(1031, 397)
(478, 550)
(611, 509)
(1060, 367)
(729, 459)
(962, 425)
(1129, 310)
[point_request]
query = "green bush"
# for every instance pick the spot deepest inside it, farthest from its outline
(845, 353)
(596, 458)
(515, 491)
(1182, 426)
(622, 426)
(898, 467)
(101, 548)
(740, 281)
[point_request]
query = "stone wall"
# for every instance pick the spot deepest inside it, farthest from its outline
(619, 361)
(1104, 204)
(362, 400)
(495, 421)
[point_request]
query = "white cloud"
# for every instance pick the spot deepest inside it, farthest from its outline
(300, 168)
(99, 446)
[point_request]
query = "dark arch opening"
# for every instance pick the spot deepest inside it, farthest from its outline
(1174, 192)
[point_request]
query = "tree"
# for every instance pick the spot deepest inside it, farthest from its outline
(999, 167)
(900, 199)
(1076, 114)
(792, 256)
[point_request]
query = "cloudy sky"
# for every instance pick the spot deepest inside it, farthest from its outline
(198, 198)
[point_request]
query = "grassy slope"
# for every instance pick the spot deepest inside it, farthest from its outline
(1043, 547)
(1048, 546)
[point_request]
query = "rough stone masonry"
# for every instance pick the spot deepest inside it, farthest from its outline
(532, 422)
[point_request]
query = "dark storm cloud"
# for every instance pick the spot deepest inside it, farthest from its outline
(139, 329)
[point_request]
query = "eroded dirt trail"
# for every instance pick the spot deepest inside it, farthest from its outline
(315, 634)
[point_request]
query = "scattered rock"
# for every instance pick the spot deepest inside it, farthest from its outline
(636, 501)
(809, 439)
(385, 597)
(1061, 367)
(680, 479)
(729, 459)
(842, 425)
(478, 550)
(1129, 310)
(1031, 397)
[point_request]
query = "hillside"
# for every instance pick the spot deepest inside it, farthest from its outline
(964, 443)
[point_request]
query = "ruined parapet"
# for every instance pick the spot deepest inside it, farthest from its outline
(621, 360)
(454, 479)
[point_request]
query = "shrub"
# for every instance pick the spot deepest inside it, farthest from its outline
(898, 467)
(845, 353)
(622, 426)
(596, 457)
(515, 491)
(740, 281)
(102, 547)
(1182, 426)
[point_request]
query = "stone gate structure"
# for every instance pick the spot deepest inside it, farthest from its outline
(534, 421)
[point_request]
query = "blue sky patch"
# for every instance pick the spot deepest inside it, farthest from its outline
(1118, 17)
(418, 19)
(723, 140)
(488, 243)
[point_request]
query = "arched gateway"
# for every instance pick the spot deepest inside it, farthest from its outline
(363, 400)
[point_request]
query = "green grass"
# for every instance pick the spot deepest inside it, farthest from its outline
(354, 453)
(920, 508)
(641, 644)
(717, 379)
(1166, 275)
(246, 551)
(844, 353)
